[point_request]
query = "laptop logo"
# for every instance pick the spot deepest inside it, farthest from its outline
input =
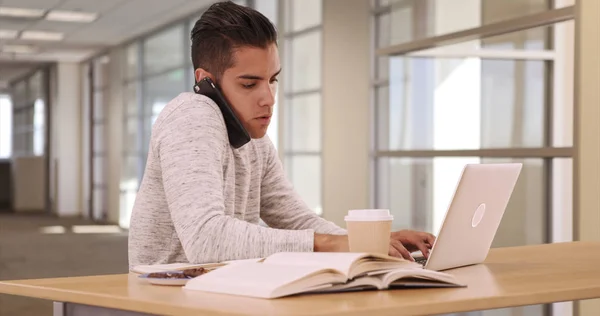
(478, 216)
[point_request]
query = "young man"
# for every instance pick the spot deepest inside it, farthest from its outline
(200, 199)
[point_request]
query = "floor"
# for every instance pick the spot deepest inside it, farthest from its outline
(40, 246)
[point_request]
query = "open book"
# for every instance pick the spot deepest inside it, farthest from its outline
(285, 274)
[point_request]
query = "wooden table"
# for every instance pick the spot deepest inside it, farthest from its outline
(510, 277)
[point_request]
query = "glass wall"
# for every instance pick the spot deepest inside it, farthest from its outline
(481, 101)
(98, 151)
(29, 98)
(303, 95)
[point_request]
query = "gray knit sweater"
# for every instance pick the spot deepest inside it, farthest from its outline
(201, 200)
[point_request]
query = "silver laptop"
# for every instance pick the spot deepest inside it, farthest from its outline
(473, 217)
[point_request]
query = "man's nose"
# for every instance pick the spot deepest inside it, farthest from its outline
(268, 96)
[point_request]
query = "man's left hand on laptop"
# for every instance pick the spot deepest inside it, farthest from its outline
(406, 241)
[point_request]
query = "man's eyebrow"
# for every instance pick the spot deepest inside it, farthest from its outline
(255, 77)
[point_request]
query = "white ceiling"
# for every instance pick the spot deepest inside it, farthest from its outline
(118, 21)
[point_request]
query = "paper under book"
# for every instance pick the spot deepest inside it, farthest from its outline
(285, 274)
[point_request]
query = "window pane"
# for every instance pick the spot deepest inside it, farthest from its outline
(132, 95)
(36, 87)
(132, 60)
(513, 97)
(164, 50)
(129, 173)
(495, 11)
(304, 123)
(161, 89)
(132, 135)
(305, 51)
(531, 39)
(273, 130)
(101, 76)
(418, 192)
(127, 199)
(302, 14)
(305, 174)
(268, 8)
(417, 19)
(449, 104)
(39, 117)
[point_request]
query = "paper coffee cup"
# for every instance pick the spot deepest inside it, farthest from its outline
(369, 230)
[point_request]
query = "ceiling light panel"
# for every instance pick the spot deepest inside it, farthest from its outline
(21, 12)
(18, 49)
(71, 16)
(42, 36)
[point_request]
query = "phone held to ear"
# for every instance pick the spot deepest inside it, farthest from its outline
(238, 136)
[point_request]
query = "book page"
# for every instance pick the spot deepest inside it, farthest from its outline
(396, 276)
(262, 280)
(349, 263)
(339, 261)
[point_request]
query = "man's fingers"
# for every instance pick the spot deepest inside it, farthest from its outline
(394, 252)
(430, 239)
(423, 247)
(402, 250)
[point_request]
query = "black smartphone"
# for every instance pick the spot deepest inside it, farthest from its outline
(238, 135)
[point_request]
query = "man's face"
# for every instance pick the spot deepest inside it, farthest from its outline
(250, 86)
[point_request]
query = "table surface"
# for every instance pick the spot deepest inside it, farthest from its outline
(513, 276)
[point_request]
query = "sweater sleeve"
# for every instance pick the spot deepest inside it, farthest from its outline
(281, 206)
(191, 143)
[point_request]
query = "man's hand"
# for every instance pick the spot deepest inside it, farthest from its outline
(331, 243)
(403, 242)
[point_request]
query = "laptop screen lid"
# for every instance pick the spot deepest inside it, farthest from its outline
(474, 215)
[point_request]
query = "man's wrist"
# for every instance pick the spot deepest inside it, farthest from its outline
(330, 243)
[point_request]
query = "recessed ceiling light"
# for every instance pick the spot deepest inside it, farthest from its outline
(8, 34)
(42, 36)
(71, 16)
(19, 49)
(21, 12)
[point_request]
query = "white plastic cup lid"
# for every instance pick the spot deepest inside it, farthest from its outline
(369, 215)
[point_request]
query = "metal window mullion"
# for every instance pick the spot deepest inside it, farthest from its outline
(289, 95)
(542, 152)
(488, 54)
(304, 31)
(545, 18)
(295, 153)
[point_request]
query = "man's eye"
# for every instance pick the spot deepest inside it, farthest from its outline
(248, 86)
(274, 80)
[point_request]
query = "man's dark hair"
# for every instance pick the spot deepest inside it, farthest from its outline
(224, 27)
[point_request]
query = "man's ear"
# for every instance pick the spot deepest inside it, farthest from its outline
(200, 74)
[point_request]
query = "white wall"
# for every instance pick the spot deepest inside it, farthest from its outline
(346, 106)
(66, 151)
(587, 124)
